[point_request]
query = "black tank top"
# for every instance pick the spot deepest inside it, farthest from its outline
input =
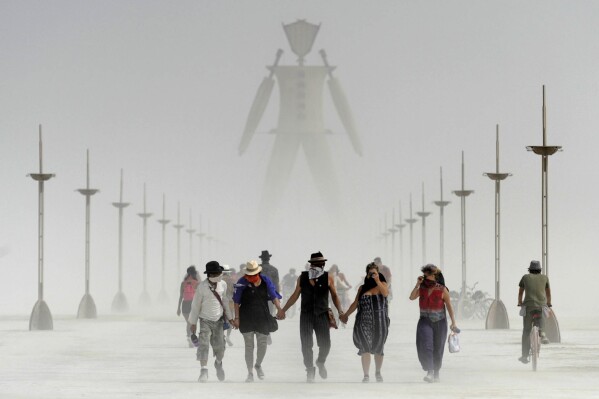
(315, 299)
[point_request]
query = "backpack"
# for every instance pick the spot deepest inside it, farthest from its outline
(188, 292)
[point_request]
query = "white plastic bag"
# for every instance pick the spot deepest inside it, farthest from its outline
(453, 341)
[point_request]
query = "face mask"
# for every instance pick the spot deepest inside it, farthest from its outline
(215, 279)
(253, 279)
(315, 272)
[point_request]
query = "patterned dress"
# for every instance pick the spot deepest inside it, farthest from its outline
(372, 324)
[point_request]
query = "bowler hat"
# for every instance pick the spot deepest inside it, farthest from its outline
(317, 257)
(265, 255)
(213, 267)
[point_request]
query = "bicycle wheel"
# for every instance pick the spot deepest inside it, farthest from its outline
(535, 345)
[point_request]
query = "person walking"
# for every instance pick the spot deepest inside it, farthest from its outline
(341, 284)
(270, 271)
(288, 286)
(208, 306)
(431, 332)
(252, 294)
(314, 286)
(538, 295)
(387, 273)
(230, 277)
(372, 320)
(186, 293)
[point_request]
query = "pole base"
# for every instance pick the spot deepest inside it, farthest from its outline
(552, 328)
(119, 303)
(145, 302)
(87, 308)
(162, 297)
(497, 317)
(41, 318)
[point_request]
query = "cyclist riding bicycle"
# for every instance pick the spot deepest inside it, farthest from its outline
(538, 295)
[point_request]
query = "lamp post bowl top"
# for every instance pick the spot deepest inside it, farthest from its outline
(163, 221)
(401, 225)
(178, 226)
(144, 215)
(41, 176)
(463, 193)
(410, 221)
(87, 191)
(392, 230)
(442, 203)
(190, 231)
(497, 176)
(423, 214)
(544, 150)
(120, 204)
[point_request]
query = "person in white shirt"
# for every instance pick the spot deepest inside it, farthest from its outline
(211, 306)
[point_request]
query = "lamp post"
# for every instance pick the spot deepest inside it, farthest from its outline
(497, 317)
(392, 231)
(463, 193)
(423, 216)
(178, 226)
(119, 303)
(411, 222)
(144, 299)
(41, 318)
(162, 296)
(441, 204)
(190, 231)
(545, 151)
(87, 306)
(400, 226)
(200, 236)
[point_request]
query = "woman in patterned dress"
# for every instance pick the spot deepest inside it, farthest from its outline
(372, 320)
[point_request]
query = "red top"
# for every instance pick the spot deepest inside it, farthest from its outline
(431, 302)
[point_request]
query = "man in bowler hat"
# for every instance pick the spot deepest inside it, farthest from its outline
(314, 286)
(211, 306)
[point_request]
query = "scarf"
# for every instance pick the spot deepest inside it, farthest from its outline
(370, 283)
(426, 283)
(253, 279)
(315, 272)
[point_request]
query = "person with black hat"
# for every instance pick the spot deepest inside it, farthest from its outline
(186, 293)
(269, 270)
(314, 287)
(209, 307)
(538, 295)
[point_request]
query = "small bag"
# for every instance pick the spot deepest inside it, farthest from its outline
(332, 321)
(273, 325)
(453, 341)
(226, 324)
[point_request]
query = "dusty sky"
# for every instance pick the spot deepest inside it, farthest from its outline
(163, 90)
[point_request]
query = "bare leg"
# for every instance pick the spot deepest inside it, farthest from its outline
(378, 362)
(366, 363)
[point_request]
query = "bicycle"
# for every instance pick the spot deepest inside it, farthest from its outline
(535, 338)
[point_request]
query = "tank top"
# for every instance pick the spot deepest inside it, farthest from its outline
(431, 302)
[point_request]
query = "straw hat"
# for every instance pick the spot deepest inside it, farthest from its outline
(252, 268)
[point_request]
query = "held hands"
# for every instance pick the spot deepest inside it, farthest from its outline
(344, 318)
(281, 314)
(234, 323)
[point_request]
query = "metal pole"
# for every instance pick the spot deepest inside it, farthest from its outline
(87, 307)
(463, 193)
(145, 297)
(411, 222)
(551, 324)
(178, 226)
(441, 204)
(423, 216)
(119, 303)
(497, 315)
(41, 317)
(162, 296)
(190, 231)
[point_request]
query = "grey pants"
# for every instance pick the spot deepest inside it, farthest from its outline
(211, 334)
(261, 339)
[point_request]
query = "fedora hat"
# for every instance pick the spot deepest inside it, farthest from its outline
(213, 267)
(252, 268)
(317, 257)
(265, 254)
